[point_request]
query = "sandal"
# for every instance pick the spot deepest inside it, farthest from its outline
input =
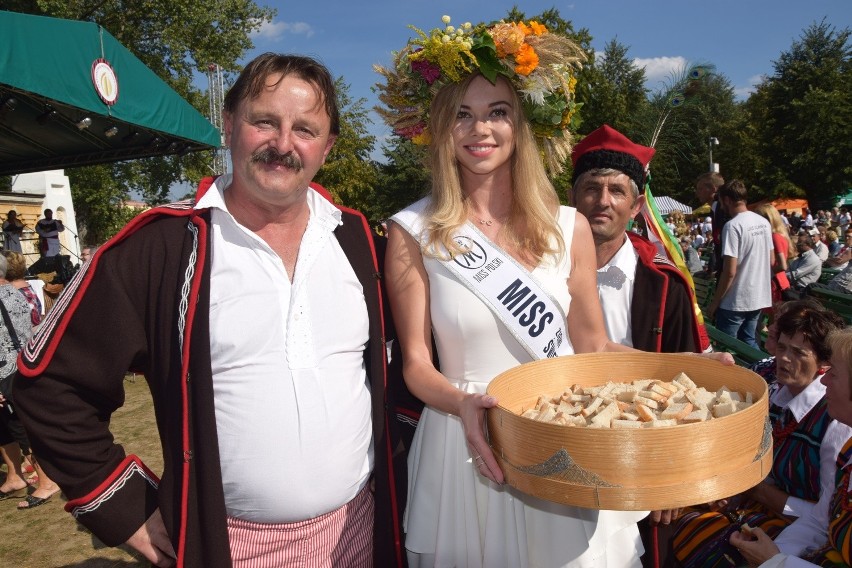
(33, 501)
(13, 493)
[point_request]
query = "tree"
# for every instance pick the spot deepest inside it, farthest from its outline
(402, 180)
(175, 38)
(348, 173)
(614, 92)
(805, 114)
(99, 199)
(678, 121)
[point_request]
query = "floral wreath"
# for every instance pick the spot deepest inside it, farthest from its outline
(540, 65)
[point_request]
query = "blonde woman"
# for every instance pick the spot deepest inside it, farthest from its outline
(784, 249)
(492, 209)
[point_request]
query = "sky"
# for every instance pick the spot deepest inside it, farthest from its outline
(741, 38)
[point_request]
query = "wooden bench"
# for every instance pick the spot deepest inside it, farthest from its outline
(838, 302)
(828, 272)
(705, 287)
(744, 354)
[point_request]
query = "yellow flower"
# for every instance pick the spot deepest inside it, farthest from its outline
(508, 38)
(422, 139)
(526, 59)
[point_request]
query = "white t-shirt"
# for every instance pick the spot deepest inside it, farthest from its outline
(615, 290)
(292, 402)
(748, 238)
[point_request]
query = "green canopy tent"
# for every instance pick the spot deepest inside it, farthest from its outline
(72, 95)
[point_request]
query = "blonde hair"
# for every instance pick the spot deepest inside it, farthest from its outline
(840, 343)
(768, 212)
(532, 226)
(16, 265)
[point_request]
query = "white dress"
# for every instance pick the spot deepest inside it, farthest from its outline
(457, 518)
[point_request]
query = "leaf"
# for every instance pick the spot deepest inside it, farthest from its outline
(486, 57)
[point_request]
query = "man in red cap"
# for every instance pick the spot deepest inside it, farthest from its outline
(609, 169)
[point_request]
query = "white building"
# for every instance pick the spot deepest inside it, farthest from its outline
(33, 193)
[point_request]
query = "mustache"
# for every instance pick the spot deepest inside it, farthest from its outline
(272, 156)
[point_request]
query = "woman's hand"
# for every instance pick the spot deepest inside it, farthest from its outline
(472, 414)
(665, 517)
(757, 549)
(721, 356)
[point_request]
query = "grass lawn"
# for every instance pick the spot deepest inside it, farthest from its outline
(47, 536)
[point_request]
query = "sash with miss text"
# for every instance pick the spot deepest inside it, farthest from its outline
(530, 314)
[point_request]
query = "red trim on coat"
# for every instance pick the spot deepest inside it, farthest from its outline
(187, 340)
(647, 251)
(408, 412)
(65, 316)
(107, 483)
(203, 186)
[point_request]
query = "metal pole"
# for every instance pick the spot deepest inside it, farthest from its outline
(710, 145)
(712, 141)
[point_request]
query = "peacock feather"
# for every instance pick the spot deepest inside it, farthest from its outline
(676, 94)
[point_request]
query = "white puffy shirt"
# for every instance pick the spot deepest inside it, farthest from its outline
(293, 407)
(615, 290)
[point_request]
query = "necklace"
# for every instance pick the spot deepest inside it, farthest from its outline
(490, 222)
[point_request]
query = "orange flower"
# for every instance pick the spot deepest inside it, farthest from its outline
(526, 59)
(508, 38)
(538, 29)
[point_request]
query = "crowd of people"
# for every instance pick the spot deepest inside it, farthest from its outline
(257, 313)
(828, 237)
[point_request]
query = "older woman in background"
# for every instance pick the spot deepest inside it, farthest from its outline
(15, 331)
(806, 442)
(823, 537)
(15, 271)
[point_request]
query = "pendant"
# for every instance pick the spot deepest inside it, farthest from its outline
(484, 222)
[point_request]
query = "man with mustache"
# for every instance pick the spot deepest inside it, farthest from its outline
(255, 313)
(609, 171)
